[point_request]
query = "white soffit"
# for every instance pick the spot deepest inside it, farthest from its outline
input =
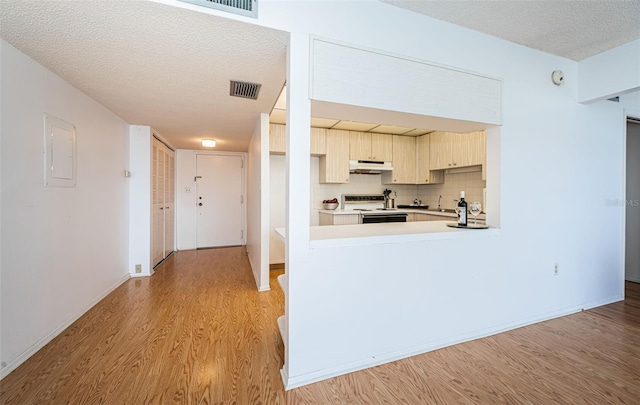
(574, 29)
(391, 129)
(354, 126)
(153, 64)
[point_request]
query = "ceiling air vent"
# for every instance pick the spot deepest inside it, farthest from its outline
(244, 89)
(247, 8)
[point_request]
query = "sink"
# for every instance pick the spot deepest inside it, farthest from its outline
(449, 210)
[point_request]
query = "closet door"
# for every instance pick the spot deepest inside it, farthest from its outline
(162, 202)
(157, 202)
(169, 202)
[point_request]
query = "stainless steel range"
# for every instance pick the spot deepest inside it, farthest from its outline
(372, 208)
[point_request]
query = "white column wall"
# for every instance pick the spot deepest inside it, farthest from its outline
(140, 200)
(297, 195)
(258, 203)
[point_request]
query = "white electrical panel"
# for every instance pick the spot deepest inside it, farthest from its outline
(59, 153)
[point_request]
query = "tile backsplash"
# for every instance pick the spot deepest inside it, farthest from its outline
(470, 182)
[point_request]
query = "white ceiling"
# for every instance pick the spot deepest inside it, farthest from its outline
(156, 65)
(575, 29)
(169, 68)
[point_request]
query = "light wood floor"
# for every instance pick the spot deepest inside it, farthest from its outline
(198, 332)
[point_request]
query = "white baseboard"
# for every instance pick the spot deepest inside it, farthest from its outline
(320, 375)
(24, 356)
(135, 275)
(261, 287)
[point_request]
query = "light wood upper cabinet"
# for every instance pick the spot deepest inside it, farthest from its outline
(425, 174)
(318, 141)
(471, 149)
(334, 166)
(370, 146)
(359, 145)
(449, 150)
(441, 150)
(404, 161)
(277, 139)
(381, 147)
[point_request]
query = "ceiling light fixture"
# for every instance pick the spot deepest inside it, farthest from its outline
(208, 143)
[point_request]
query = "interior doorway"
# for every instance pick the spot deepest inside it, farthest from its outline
(219, 200)
(632, 203)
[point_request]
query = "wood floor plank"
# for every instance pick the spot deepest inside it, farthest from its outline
(198, 332)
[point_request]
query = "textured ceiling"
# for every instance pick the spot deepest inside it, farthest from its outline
(575, 29)
(153, 64)
(169, 68)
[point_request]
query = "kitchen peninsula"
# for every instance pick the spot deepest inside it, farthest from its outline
(403, 232)
(348, 217)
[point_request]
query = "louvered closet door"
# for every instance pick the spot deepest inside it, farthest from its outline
(163, 202)
(169, 203)
(157, 203)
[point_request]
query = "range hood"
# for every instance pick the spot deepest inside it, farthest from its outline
(369, 167)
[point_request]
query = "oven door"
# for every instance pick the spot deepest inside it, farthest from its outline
(380, 218)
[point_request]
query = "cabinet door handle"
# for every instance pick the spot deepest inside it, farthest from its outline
(161, 208)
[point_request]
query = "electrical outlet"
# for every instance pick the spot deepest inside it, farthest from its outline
(138, 268)
(187, 189)
(555, 269)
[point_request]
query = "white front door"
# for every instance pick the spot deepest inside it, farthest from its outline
(219, 201)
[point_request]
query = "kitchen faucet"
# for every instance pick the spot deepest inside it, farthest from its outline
(439, 198)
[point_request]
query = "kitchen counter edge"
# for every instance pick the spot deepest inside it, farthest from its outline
(400, 232)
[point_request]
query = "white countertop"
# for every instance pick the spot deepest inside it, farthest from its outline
(391, 232)
(400, 210)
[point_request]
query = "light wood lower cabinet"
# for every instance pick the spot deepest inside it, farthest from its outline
(334, 166)
(404, 161)
(419, 216)
(346, 219)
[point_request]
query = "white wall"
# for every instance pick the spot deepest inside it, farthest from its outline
(352, 307)
(610, 73)
(258, 203)
(632, 248)
(140, 140)
(63, 249)
(186, 199)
